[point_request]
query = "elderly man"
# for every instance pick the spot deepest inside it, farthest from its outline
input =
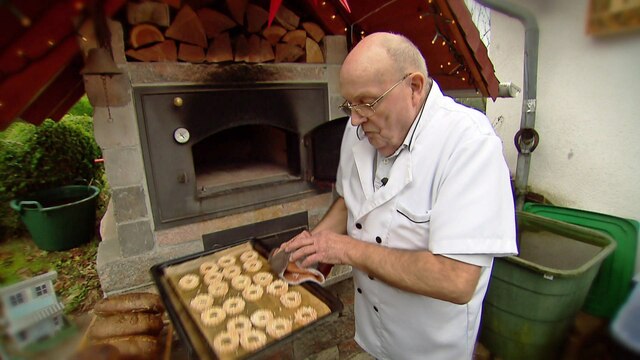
(424, 206)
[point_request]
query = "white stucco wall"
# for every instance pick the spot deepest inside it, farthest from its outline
(588, 108)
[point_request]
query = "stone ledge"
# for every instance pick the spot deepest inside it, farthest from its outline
(119, 274)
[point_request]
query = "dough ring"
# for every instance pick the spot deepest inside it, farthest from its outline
(239, 324)
(189, 282)
(263, 278)
(226, 261)
(248, 255)
(261, 317)
(218, 289)
(202, 302)
(305, 315)
(253, 339)
(231, 271)
(278, 287)
(279, 327)
(291, 300)
(208, 266)
(226, 342)
(213, 277)
(252, 265)
(252, 292)
(213, 316)
(240, 282)
(233, 305)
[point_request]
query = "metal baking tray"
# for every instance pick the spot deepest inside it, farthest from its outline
(190, 330)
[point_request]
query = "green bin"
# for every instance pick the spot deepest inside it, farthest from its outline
(533, 298)
(61, 218)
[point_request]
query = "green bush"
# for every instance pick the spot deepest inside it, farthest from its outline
(40, 157)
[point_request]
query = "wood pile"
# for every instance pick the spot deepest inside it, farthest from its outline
(234, 31)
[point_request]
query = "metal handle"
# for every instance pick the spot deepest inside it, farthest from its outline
(31, 204)
(177, 101)
(526, 140)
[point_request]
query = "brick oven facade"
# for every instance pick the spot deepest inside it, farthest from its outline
(134, 236)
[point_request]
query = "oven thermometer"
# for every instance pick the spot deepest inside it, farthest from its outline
(181, 135)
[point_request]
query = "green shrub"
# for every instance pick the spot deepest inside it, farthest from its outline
(40, 157)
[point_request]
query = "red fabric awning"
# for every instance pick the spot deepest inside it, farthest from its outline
(40, 58)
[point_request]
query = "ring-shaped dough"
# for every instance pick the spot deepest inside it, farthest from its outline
(213, 316)
(212, 277)
(253, 339)
(189, 282)
(252, 265)
(291, 299)
(233, 305)
(248, 255)
(218, 289)
(305, 315)
(252, 292)
(261, 317)
(263, 278)
(239, 324)
(226, 261)
(240, 282)
(231, 271)
(226, 342)
(278, 287)
(279, 327)
(208, 266)
(201, 302)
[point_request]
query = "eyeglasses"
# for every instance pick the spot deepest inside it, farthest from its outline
(367, 110)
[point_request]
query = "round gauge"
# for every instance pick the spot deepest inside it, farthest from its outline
(181, 135)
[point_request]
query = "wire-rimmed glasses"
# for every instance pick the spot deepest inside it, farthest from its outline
(367, 110)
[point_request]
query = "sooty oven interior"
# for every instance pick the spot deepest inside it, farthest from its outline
(213, 150)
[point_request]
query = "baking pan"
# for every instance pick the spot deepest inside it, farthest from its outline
(197, 338)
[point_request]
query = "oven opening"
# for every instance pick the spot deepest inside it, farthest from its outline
(244, 157)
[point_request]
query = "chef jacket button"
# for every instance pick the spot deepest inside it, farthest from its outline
(359, 290)
(375, 308)
(358, 226)
(370, 277)
(378, 239)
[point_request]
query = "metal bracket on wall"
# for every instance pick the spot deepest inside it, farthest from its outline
(526, 140)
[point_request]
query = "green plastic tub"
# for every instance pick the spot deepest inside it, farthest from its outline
(61, 218)
(612, 284)
(533, 298)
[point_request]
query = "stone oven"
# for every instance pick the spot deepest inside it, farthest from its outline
(195, 150)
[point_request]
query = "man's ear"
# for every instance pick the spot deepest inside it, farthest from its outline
(418, 83)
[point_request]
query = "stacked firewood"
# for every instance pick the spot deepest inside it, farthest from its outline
(236, 32)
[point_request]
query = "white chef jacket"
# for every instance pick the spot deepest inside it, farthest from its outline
(448, 192)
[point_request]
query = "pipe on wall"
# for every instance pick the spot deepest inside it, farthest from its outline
(526, 139)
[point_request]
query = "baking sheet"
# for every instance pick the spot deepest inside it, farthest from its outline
(200, 337)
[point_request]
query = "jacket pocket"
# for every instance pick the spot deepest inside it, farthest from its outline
(412, 216)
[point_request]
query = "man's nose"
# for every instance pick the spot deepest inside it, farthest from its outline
(356, 118)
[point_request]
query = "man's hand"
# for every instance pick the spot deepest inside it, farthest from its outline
(322, 247)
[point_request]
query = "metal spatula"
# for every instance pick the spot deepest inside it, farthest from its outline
(279, 260)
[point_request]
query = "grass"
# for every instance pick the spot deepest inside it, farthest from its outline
(77, 285)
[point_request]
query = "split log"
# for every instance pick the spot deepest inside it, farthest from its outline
(256, 18)
(148, 12)
(187, 27)
(220, 49)
(295, 37)
(287, 18)
(314, 30)
(144, 34)
(242, 49)
(254, 49)
(313, 51)
(214, 22)
(266, 51)
(274, 33)
(237, 9)
(164, 51)
(288, 53)
(191, 53)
